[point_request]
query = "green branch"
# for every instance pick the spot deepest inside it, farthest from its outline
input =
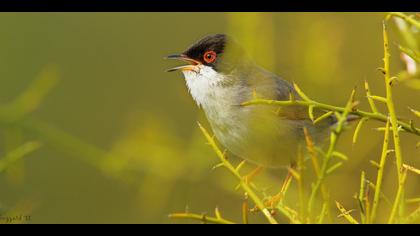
(399, 200)
(322, 106)
(203, 218)
(399, 196)
(328, 156)
(380, 174)
(390, 102)
(245, 186)
(345, 213)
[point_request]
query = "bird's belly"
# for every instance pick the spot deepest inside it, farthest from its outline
(257, 135)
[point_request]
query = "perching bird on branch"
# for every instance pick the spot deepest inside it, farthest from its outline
(220, 77)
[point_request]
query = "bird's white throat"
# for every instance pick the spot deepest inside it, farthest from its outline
(203, 84)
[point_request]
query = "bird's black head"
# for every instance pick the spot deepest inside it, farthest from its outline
(208, 50)
(218, 51)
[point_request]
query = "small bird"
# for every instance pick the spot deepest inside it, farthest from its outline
(220, 76)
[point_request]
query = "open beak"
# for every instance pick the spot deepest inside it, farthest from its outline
(182, 57)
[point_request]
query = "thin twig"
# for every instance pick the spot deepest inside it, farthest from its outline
(361, 197)
(398, 197)
(203, 218)
(333, 141)
(345, 213)
(245, 209)
(394, 123)
(390, 102)
(243, 183)
(380, 173)
(322, 106)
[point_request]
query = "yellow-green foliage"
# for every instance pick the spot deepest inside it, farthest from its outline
(155, 165)
(368, 203)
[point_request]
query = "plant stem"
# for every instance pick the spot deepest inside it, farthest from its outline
(345, 213)
(380, 173)
(301, 185)
(258, 202)
(203, 218)
(398, 197)
(413, 217)
(358, 128)
(393, 116)
(374, 116)
(361, 198)
(390, 103)
(333, 141)
(245, 209)
(313, 154)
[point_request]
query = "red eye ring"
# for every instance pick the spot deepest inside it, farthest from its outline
(209, 56)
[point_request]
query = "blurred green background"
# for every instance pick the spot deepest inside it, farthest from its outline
(113, 93)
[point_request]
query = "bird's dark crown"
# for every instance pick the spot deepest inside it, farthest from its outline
(214, 42)
(229, 54)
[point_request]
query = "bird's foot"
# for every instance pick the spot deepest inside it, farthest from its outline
(276, 199)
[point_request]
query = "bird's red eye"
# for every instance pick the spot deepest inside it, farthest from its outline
(209, 56)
